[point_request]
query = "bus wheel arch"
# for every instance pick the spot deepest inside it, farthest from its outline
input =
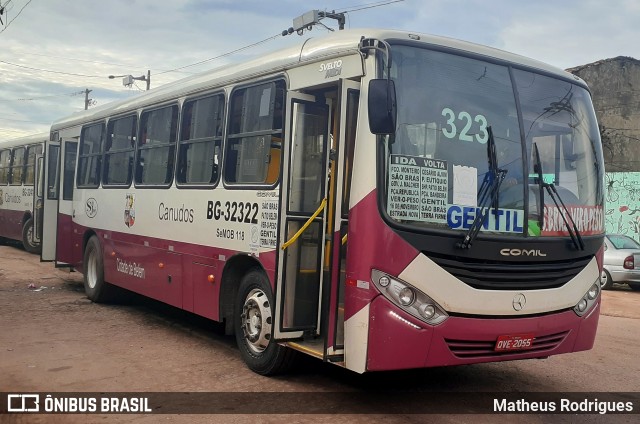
(27, 234)
(254, 324)
(234, 270)
(96, 288)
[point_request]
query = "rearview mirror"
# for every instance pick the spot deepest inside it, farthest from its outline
(382, 106)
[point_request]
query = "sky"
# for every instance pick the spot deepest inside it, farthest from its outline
(51, 51)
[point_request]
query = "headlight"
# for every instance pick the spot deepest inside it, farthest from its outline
(427, 311)
(408, 298)
(593, 292)
(588, 300)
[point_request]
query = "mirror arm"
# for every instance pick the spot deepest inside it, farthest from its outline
(383, 47)
(367, 44)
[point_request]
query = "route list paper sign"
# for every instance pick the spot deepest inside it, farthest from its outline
(418, 189)
(465, 185)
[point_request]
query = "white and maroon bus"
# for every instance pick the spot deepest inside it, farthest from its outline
(19, 200)
(377, 199)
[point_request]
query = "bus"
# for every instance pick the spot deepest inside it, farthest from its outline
(377, 199)
(19, 201)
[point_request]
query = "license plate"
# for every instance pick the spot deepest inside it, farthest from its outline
(514, 342)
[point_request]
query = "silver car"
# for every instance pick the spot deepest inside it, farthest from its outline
(621, 261)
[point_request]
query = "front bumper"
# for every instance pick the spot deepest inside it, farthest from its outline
(399, 341)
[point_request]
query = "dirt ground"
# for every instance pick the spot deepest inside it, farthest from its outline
(53, 339)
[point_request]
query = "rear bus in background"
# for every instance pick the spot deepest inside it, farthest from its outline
(20, 167)
(376, 199)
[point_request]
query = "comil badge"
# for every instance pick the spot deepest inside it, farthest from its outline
(129, 210)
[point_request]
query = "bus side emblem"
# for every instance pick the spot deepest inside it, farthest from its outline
(130, 210)
(91, 207)
(519, 301)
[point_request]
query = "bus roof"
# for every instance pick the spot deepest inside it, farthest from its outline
(25, 140)
(310, 50)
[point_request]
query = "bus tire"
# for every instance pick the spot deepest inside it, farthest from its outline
(27, 237)
(254, 325)
(95, 287)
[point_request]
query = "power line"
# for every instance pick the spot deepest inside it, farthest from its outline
(9, 22)
(75, 93)
(366, 6)
(22, 120)
(273, 37)
(53, 72)
(91, 61)
(370, 6)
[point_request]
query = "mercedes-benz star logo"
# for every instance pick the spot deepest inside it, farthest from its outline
(519, 301)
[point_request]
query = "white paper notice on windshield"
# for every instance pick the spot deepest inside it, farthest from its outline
(418, 189)
(465, 185)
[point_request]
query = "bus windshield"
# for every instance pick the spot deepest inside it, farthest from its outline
(543, 129)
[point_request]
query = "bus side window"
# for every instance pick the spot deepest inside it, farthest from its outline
(200, 140)
(90, 156)
(5, 160)
(254, 144)
(17, 167)
(156, 146)
(32, 151)
(119, 151)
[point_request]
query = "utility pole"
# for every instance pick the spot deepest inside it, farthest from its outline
(86, 98)
(148, 79)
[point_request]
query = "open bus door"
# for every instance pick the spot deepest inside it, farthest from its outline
(303, 220)
(341, 167)
(50, 191)
(66, 252)
(57, 213)
(309, 297)
(38, 199)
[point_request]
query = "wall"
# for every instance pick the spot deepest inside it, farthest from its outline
(615, 87)
(622, 196)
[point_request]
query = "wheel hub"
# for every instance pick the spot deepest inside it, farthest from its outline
(256, 320)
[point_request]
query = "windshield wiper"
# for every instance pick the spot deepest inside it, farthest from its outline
(572, 229)
(488, 193)
(575, 235)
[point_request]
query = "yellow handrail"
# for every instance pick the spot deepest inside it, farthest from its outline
(306, 224)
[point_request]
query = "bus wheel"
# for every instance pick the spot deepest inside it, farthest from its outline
(94, 285)
(27, 237)
(254, 325)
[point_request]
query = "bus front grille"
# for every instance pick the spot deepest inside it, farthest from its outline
(493, 275)
(467, 349)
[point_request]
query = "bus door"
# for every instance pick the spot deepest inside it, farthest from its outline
(50, 191)
(302, 221)
(339, 191)
(38, 199)
(66, 254)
